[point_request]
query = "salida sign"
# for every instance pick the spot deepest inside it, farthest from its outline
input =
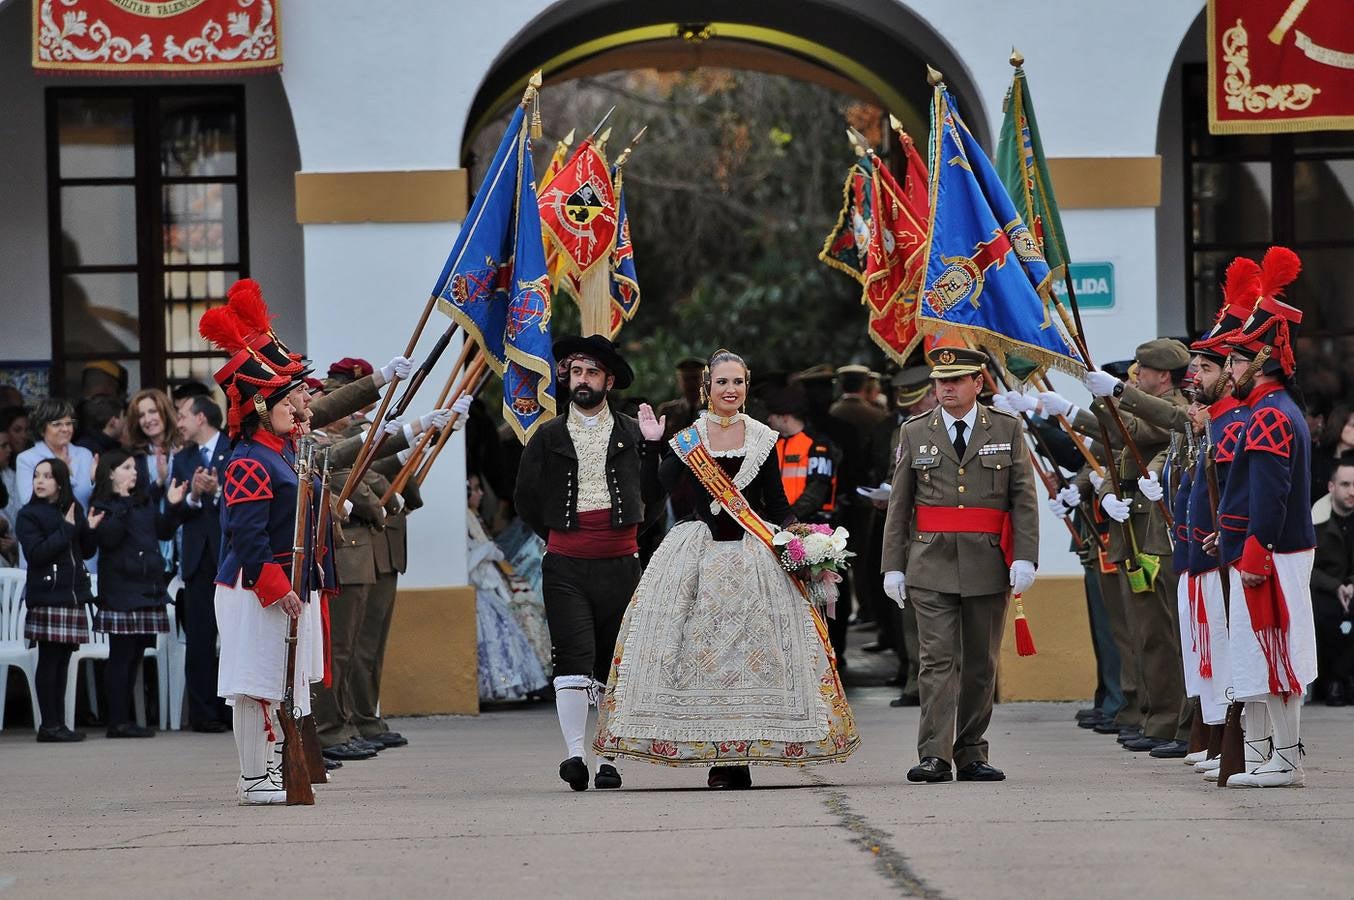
(1093, 282)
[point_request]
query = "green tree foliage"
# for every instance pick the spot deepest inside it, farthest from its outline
(730, 195)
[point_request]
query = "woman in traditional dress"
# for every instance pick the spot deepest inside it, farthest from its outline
(722, 661)
(510, 667)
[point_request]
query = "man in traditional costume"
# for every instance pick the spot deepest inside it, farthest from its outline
(722, 660)
(584, 483)
(1266, 537)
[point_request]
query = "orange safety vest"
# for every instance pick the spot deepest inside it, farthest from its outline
(798, 461)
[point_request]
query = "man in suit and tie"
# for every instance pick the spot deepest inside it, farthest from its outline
(201, 464)
(961, 535)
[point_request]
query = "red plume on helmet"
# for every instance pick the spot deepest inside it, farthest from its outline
(246, 375)
(1271, 325)
(221, 329)
(245, 301)
(1240, 291)
(1279, 269)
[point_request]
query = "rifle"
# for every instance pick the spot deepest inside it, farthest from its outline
(310, 736)
(295, 774)
(1232, 749)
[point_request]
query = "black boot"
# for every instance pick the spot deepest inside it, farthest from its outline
(574, 771)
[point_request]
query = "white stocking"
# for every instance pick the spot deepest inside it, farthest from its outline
(571, 705)
(1285, 718)
(1258, 745)
(251, 736)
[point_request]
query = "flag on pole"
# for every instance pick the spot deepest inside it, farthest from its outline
(985, 275)
(624, 279)
(494, 283)
(579, 215)
(894, 254)
(552, 257)
(846, 246)
(1024, 170)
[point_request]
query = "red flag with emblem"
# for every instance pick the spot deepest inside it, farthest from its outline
(578, 210)
(895, 254)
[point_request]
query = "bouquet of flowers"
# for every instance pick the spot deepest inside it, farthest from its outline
(814, 555)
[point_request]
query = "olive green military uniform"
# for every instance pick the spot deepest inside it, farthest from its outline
(959, 582)
(1153, 616)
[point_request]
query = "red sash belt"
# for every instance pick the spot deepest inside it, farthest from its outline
(969, 520)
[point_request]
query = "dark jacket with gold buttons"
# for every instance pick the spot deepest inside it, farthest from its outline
(547, 480)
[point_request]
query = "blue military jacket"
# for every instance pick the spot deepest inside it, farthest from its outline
(1227, 424)
(258, 517)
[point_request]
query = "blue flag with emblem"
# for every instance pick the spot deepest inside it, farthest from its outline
(624, 279)
(985, 275)
(495, 284)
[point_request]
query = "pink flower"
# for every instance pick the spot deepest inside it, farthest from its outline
(795, 551)
(821, 529)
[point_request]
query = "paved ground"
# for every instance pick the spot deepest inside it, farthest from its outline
(472, 808)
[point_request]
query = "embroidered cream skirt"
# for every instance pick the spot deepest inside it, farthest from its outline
(721, 661)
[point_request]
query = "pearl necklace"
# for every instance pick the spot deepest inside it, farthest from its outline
(724, 422)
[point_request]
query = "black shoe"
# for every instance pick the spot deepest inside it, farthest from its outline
(388, 739)
(1335, 694)
(931, 769)
(1105, 726)
(874, 647)
(1143, 744)
(332, 764)
(607, 778)
(346, 753)
(574, 771)
(1092, 721)
(212, 727)
(362, 743)
(728, 778)
(59, 734)
(129, 730)
(1089, 712)
(1171, 750)
(742, 778)
(980, 771)
(905, 700)
(1129, 734)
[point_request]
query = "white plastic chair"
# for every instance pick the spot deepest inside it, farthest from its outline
(13, 648)
(173, 651)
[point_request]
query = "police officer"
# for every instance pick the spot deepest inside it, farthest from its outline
(962, 533)
(808, 469)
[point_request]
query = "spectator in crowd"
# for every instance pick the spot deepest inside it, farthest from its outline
(10, 396)
(152, 438)
(9, 505)
(55, 538)
(51, 427)
(14, 422)
(1333, 588)
(1336, 442)
(103, 378)
(200, 464)
(101, 424)
(185, 390)
(132, 593)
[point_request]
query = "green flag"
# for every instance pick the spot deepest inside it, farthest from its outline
(1023, 168)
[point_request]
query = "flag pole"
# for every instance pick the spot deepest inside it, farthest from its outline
(476, 382)
(630, 148)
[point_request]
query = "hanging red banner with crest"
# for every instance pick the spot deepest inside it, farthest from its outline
(185, 37)
(1279, 66)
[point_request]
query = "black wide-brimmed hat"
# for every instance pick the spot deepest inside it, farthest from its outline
(599, 348)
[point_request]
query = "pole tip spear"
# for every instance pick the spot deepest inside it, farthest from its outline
(569, 138)
(934, 76)
(1017, 58)
(895, 123)
(858, 142)
(634, 141)
(533, 88)
(592, 134)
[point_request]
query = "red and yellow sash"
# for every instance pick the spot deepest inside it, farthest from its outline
(714, 479)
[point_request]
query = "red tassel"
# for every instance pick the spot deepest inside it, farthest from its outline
(1024, 640)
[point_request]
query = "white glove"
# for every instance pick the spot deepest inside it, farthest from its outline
(1056, 404)
(462, 409)
(347, 508)
(392, 427)
(1000, 405)
(1101, 383)
(1096, 480)
(400, 367)
(1070, 496)
(1021, 403)
(435, 419)
(1056, 507)
(895, 586)
(1115, 508)
(1150, 487)
(1022, 576)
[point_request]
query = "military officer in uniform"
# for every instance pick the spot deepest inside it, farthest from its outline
(962, 534)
